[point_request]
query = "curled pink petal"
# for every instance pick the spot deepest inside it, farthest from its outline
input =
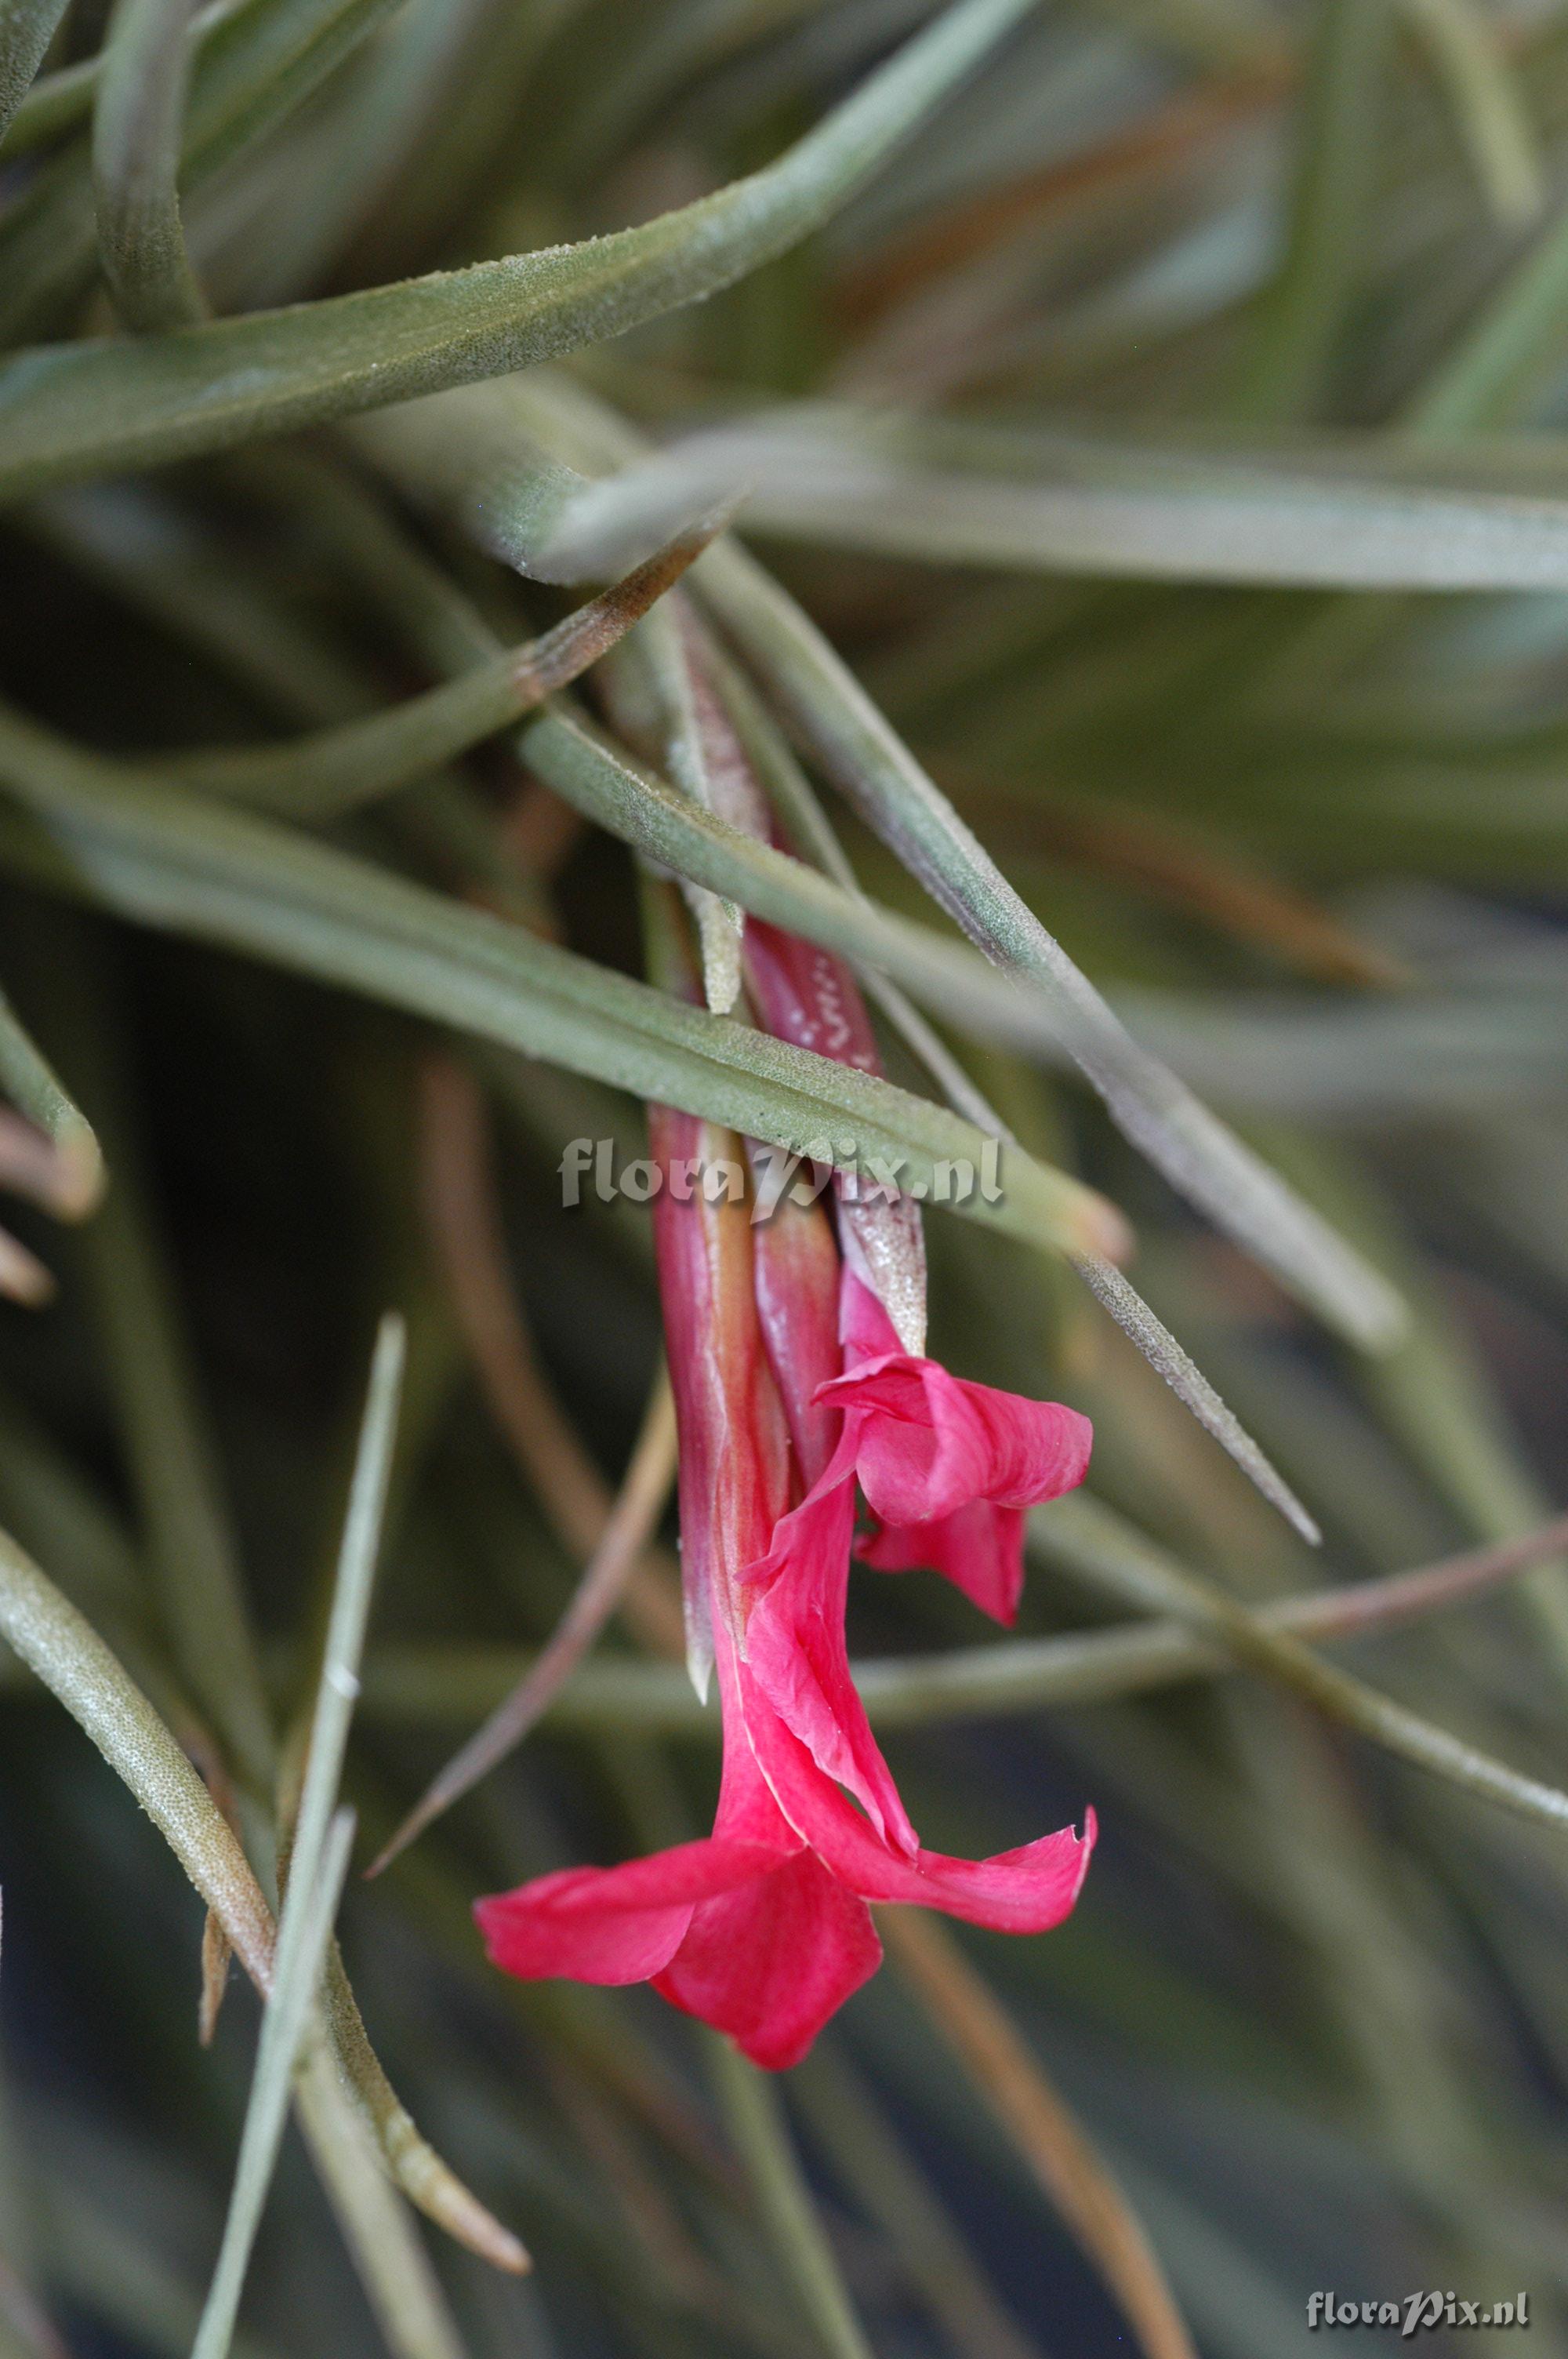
(928, 1442)
(946, 1466)
(979, 1548)
(614, 1924)
(796, 1655)
(771, 1960)
(1024, 1891)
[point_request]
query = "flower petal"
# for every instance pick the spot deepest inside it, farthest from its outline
(1024, 1891)
(796, 1653)
(614, 1924)
(946, 1466)
(979, 1549)
(770, 1961)
(928, 1442)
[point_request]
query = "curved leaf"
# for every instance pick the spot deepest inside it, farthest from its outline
(332, 770)
(136, 125)
(1299, 515)
(81, 409)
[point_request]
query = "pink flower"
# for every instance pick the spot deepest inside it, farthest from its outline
(762, 1929)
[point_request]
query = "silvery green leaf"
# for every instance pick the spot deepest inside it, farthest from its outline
(66, 411)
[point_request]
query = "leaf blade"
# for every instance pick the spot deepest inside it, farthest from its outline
(72, 410)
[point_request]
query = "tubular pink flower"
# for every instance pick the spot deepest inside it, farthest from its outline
(763, 1929)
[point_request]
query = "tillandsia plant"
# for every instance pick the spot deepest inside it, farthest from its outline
(662, 656)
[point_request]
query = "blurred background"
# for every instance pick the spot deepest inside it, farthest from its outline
(1168, 436)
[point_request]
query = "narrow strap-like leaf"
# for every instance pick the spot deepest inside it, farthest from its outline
(197, 1578)
(305, 1933)
(33, 1088)
(1336, 514)
(759, 2128)
(73, 1662)
(1111, 1554)
(1076, 2181)
(421, 1685)
(400, 2283)
(252, 65)
(1489, 107)
(319, 1854)
(26, 29)
(56, 101)
(324, 774)
(1304, 310)
(589, 772)
(137, 125)
(649, 1476)
(1196, 1153)
(83, 409)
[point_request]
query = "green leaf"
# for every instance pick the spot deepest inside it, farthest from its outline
(36, 1090)
(138, 122)
(802, 814)
(74, 1663)
(587, 770)
(1112, 1555)
(402, 2286)
(425, 1685)
(176, 860)
(1497, 365)
(305, 1934)
(58, 101)
(322, 776)
(451, 638)
(195, 1579)
(759, 2128)
(1319, 513)
(1488, 106)
(1195, 1152)
(318, 1858)
(26, 29)
(81, 409)
(253, 65)
(1302, 313)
